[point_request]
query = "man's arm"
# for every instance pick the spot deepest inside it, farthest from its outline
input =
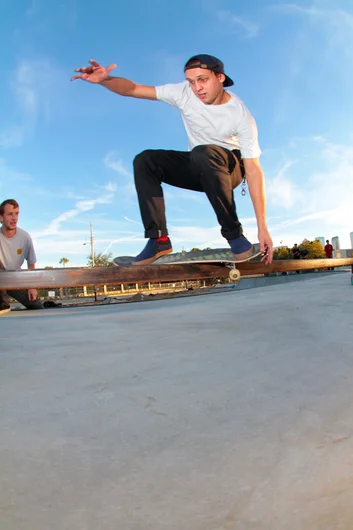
(256, 183)
(99, 75)
(32, 293)
(125, 87)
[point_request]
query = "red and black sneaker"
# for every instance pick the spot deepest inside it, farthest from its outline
(154, 249)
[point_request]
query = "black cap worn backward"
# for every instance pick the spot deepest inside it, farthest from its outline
(208, 62)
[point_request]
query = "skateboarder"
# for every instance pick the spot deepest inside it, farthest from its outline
(223, 149)
(16, 246)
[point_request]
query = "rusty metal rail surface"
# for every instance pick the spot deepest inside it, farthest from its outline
(75, 277)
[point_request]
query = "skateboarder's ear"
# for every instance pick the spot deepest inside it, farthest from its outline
(221, 77)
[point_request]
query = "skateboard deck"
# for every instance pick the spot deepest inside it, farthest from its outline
(213, 256)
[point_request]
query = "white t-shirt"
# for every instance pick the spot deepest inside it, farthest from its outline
(229, 125)
(15, 250)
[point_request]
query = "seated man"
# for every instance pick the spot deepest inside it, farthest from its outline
(16, 246)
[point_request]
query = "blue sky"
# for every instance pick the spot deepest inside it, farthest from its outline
(66, 149)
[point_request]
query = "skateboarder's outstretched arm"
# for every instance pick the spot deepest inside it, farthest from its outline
(99, 75)
(256, 184)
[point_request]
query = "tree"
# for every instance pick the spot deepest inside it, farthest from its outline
(195, 250)
(314, 248)
(281, 253)
(63, 261)
(100, 260)
(49, 267)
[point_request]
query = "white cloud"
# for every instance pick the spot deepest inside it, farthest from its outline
(71, 195)
(133, 221)
(337, 21)
(174, 194)
(282, 191)
(80, 207)
(110, 186)
(115, 163)
(313, 11)
(74, 244)
(323, 202)
(203, 237)
(241, 26)
(31, 84)
(323, 34)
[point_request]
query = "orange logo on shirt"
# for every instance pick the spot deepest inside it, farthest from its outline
(19, 251)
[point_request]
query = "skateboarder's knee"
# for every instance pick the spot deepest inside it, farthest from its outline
(143, 158)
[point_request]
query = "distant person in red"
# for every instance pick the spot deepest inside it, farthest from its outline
(329, 252)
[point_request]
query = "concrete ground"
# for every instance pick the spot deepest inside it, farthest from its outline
(218, 412)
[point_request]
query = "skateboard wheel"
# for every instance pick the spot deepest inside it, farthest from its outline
(234, 275)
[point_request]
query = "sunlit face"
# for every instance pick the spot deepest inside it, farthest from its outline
(10, 218)
(206, 85)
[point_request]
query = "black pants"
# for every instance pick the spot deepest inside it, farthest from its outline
(22, 297)
(208, 168)
(19, 295)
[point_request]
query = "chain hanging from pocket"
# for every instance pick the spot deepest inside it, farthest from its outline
(243, 187)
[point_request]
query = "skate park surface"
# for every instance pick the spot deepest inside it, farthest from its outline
(225, 411)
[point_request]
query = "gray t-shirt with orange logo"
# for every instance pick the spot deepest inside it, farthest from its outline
(15, 250)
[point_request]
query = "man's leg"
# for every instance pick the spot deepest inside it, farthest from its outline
(208, 168)
(4, 303)
(151, 168)
(22, 297)
(219, 174)
(4, 299)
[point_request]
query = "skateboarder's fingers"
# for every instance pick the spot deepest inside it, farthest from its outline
(85, 70)
(111, 67)
(82, 76)
(268, 255)
(96, 65)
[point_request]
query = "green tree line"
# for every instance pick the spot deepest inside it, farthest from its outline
(314, 250)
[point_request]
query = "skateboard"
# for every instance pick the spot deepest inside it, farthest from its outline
(223, 256)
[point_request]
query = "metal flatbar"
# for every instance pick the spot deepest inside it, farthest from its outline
(256, 267)
(74, 277)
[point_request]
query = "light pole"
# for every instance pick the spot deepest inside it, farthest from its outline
(92, 254)
(92, 243)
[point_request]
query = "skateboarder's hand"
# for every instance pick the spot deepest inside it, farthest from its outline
(94, 73)
(32, 295)
(266, 246)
